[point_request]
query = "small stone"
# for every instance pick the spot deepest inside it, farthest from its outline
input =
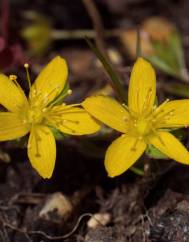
(57, 208)
(98, 219)
(4, 157)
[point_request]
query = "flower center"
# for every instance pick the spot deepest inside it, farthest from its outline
(34, 115)
(142, 127)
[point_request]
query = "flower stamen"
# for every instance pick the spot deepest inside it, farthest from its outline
(26, 66)
(61, 123)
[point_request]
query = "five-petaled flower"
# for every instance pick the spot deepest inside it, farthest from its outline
(141, 123)
(39, 113)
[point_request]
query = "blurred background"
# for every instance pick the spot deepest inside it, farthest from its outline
(149, 203)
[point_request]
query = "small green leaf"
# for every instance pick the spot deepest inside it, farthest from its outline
(178, 89)
(169, 56)
(176, 47)
(162, 65)
(152, 152)
(58, 135)
(137, 171)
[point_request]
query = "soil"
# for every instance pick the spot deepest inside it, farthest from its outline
(149, 208)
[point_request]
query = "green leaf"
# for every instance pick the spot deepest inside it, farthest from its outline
(116, 81)
(176, 47)
(169, 56)
(137, 171)
(162, 65)
(152, 152)
(178, 89)
(58, 135)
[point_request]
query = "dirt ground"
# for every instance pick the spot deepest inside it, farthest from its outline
(149, 208)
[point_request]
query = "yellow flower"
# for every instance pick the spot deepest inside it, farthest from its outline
(38, 114)
(142, 123)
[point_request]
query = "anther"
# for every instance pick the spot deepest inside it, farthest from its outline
(125, 119)
(69, 92)
(44, 110)
(125, 106)
(24, 121)
(12, 77)
(26, 65)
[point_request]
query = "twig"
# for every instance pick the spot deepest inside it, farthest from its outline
(57, 34)
(27, 198)
(97, 24)
(42, 233)
(28, 237)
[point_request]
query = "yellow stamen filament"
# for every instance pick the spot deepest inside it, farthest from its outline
(26, 66)
(69, 92)
(163, 117)
(161, 106)
(61, 123)
(14, 79)
(46, 97)
(58, 119)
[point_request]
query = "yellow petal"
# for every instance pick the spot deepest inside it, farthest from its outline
(11, 126)
(170, 146)
(173, 114)
(122, 154)
(12, 97)
(142, 87)
(108, 111)
(50, 82)
(42, 150)
(72, 120)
